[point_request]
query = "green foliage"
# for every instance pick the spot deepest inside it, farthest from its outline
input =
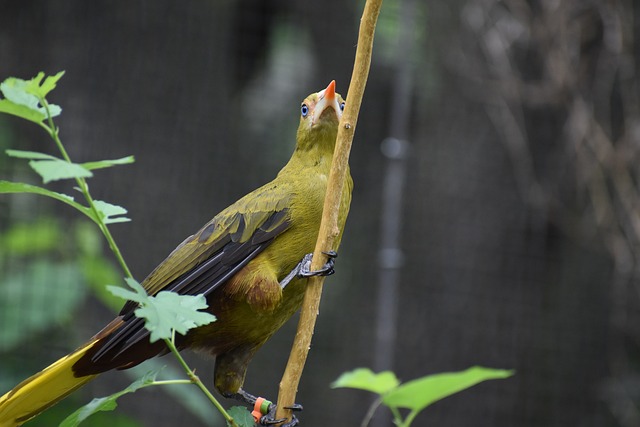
(418, 394)
(365, 379)
(107, 403)
(241, 416)
(24, 98)
(167, 311)
(31, 238)
(67, 281)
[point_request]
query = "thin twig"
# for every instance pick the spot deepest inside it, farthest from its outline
(328, 227)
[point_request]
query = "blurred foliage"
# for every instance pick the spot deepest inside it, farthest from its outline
(42, 259)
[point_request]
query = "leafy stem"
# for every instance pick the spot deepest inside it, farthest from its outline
(52, 130)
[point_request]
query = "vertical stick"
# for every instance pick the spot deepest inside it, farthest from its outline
(329, 225)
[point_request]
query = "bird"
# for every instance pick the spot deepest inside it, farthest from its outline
(251, 262)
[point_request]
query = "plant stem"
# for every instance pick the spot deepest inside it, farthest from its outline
(84, 189)
(329, 225)
(407, 421)
(372, 409)
(194, 379)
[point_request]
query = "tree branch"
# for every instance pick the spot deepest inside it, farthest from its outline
(329, 225)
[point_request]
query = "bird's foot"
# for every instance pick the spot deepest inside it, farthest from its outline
(270, 417)
(264, 412)
(303, 269)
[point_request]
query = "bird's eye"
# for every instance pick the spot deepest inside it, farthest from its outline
(304, 110)
(342, 106)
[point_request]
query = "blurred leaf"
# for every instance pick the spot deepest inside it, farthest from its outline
(57, 169)
(108, 163)
(42, 90)
(32, 238)
(98, 272)
(241, 416)
(166, 311)
(19, 187)
(87, 238)
(54, 415)
(21, 154)
(22, 97)
(365, 379)
(110, 213)
(9, 107)
(422, 392)
(27, 296)
(189, 397)
(107, 403)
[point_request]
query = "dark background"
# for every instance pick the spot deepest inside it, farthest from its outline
(518, 207)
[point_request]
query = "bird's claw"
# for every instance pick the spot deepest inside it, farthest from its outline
(303, 269)
(269, 418)
(325, 270)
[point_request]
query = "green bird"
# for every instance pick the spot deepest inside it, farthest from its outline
(250, 261)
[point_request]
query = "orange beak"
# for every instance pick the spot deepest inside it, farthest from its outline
(330, 91)
(326, 99)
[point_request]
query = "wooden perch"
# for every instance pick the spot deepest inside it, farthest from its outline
(329, 228)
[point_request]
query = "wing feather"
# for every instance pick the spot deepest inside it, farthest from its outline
(204, 261)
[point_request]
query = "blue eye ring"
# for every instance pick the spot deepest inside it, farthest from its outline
(304, 110)
(342, 106)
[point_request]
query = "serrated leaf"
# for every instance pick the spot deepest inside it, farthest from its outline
(100, 164)
(422, 392)
(42, 90)
(169, 311)
(27, 94)
(365, 379)
(19, 187)
(32, 155)
(138, 295)
(110, 213)
(241, 416)
(166, 311)
(57, 169)
(107, 403)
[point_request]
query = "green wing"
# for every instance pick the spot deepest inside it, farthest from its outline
(208, 259)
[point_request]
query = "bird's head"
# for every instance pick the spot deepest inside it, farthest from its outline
(319, 116)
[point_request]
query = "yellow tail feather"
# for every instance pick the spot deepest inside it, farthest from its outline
(42, 390)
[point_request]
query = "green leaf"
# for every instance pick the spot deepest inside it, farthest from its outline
(9, 187)
(166, 311)
(21, 111)
(57, 169)
(108, 163)
(106, 403)
(140, 295)
(41, 91)
(110, 213)
(32, 155)
(365, 379)
(171, 311)
(420, 393)
(23, 98)
(241, 416)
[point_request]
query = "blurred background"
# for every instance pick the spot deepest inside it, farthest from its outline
(495, 216)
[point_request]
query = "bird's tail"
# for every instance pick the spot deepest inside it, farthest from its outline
(42, 390)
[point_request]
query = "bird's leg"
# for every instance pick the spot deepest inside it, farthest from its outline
(303, 269)
(264, 411)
